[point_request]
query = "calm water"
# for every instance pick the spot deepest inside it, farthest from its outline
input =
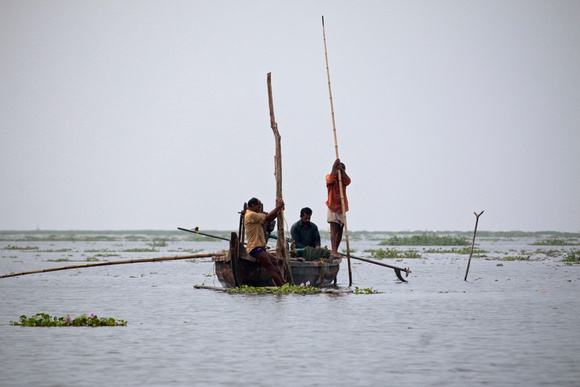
(511, 323)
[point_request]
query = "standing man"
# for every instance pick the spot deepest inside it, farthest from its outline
(335, 217)
(254, 222)
(304, 232)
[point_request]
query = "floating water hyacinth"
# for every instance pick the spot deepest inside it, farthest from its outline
(284, 289)
(45, 320)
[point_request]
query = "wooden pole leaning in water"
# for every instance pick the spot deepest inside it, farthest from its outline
(281, 247)
(342, 201)
(472, 243)
(108, 263)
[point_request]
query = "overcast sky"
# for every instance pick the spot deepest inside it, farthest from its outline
(154, 114)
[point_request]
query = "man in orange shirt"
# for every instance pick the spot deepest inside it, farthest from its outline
(335, 217)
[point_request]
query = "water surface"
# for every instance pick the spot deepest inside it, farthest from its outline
(512, 322)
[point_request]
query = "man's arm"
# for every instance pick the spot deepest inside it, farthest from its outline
(272, 214)
(316, 236)
(335, 167)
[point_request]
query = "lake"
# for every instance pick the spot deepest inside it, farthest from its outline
(513, 322)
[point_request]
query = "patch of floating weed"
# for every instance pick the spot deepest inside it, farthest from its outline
(425, 240)
(92, 259)
(549, 253)
(284, 289)
(135, 238)
(195, 251)
(200, 238)
(58, 260)
(572, 257)
(514, 258)
(141, 250)
(556, 242)
(358, 290)
(27, 248)
(393, 253)
(158, 243)
(45, 320)
(462, 250)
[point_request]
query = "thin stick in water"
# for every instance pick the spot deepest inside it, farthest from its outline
(473, 242)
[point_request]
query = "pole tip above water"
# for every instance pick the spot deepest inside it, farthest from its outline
(323, 20)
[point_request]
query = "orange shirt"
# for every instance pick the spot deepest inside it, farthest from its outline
(333, 201)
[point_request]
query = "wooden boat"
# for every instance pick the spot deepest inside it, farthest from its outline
(238, 268)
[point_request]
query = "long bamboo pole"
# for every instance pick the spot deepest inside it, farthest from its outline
(108, 263)
(281, 247)
(341, 188)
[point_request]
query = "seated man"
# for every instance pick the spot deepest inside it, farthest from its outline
(304, 232)
(254, 222)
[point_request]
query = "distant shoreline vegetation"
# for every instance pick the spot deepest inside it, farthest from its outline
(159, 238)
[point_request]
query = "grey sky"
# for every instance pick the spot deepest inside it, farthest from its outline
(154, 114)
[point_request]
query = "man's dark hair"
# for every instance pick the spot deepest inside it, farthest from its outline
(253, 202)
(305, 210)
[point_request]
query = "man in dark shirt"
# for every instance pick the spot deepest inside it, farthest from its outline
(304, 232)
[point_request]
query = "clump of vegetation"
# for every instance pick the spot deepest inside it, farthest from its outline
(549, 253)
(426, 240)
(292, 289)
(462, 250)
(516, 258)
(9, 247)
(393, 253)
(555, 242)
(284, 289)
(572, 257)
(45, 320)
(158, 243)
(358, 290)
(141, 250)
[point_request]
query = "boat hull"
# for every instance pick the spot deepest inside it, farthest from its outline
(319, 273)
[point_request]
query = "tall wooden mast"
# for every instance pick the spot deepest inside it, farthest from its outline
(281, 246)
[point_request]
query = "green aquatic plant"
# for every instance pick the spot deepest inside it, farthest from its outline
(462, 250)
(549, 253)
(572, 257)
(425, 240)
(555, 242)
(393, 253)
(284, 289)
(158, 243)
(358, 290)
(515, 258)
(45, 320)
(27, 248)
